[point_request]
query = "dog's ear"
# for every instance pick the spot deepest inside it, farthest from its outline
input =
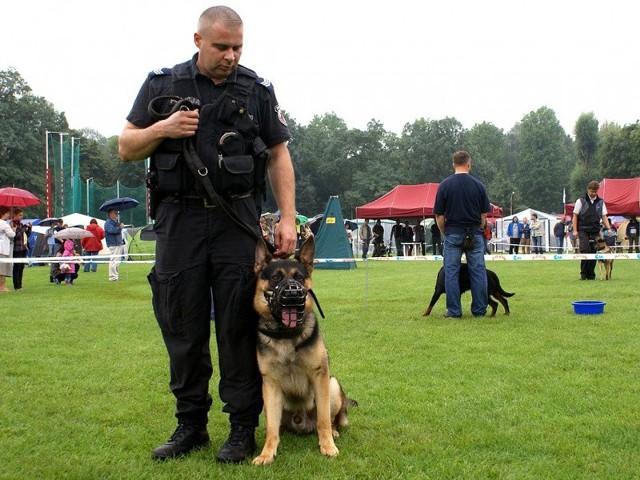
(263, 256)
(307, 253)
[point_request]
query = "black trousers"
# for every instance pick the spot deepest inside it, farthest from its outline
(201, 255)
(587, 244)
(18, 269)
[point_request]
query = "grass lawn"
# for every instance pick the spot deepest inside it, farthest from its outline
(542, 393)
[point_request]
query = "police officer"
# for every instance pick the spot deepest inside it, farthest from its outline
(202, 255)
(588, 211)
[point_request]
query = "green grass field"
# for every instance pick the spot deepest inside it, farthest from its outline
(543, 393)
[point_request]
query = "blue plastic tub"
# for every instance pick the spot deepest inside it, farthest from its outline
(589, 307)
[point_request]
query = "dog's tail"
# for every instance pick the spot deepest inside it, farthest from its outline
(503, 292)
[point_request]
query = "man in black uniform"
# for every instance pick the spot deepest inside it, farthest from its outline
(589, 210)
(231, 118)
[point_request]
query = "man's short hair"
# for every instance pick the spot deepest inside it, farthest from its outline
(595, 186)
(461, 157)
(227, 16)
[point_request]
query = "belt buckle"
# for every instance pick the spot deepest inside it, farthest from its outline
(207, 204)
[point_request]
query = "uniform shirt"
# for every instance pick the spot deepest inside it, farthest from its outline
(263, 105)
(462, 199)
(578, 206)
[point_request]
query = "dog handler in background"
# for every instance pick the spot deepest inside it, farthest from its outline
(200, 250)
(461, 208)
(588, 211)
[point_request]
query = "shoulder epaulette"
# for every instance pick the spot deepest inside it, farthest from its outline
(160, 71)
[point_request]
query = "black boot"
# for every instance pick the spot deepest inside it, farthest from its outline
(185, 439)
(240, 445)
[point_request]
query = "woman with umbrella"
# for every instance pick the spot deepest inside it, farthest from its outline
(7, 232)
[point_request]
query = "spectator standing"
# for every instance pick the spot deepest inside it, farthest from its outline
(419, 236)
(536, 233)
(461, 208)
(365, 234)
(488, 234)
(7, 234)
(20, 246)
(559, 234)
(396, 237)
(407, 236)
(349, 235)
(436, 239)
(525, 241)
(633, 230)
(589, 210)
(92, 245)
(514, 232)
(378, 229)
(113, 238)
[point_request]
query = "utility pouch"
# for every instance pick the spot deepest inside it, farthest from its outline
(468, 240)
(234, 172)
(170, 171)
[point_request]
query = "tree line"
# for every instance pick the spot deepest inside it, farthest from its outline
(528, 166)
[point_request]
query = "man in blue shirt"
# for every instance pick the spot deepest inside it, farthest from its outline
(461, 208)
(113, 239)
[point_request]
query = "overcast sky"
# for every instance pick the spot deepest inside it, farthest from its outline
(393, 61)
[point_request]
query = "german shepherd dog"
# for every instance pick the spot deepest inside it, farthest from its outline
(493, 287)
(299, 395)
(604, 266)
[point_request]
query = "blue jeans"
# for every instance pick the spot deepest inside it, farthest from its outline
(92, 264)
(537, 244)
(477, 274)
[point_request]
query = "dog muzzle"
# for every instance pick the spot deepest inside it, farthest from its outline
(287, 301)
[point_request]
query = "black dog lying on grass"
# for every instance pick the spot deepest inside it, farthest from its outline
(493, 287)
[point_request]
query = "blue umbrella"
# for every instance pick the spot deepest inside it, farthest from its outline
(122, 203)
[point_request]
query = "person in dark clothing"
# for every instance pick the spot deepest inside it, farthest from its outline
(231, 118)
(589, 211)
(436, 239)
(633, 229)
(461, 208)
(20, 246)
(407, 237)
(396, 237)
(559, 233)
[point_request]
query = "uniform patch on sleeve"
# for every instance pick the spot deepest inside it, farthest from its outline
(263, 82)
(281, 118)
(160, 71)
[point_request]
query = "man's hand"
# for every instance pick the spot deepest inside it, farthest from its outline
(182, 124)
(285, 239)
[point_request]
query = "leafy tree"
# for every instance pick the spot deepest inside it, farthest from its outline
(543, 161)
(587, 137)
(619, 153)
(372, 154)
(322, 159)
(24, 117)
(428, 146)
(487, 145)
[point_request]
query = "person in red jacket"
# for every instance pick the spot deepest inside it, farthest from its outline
(92, 245)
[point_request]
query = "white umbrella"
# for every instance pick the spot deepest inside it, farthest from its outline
(73, 233)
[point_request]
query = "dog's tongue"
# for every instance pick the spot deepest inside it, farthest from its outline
(290, 317)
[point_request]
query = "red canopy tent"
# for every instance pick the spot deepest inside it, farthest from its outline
(408, 201)
(620, 195)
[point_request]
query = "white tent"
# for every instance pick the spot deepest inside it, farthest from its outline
(79, 219)
(548, 221)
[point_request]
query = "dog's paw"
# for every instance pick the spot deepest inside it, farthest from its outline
(335, 433)
(329, 450)
(263, 459)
